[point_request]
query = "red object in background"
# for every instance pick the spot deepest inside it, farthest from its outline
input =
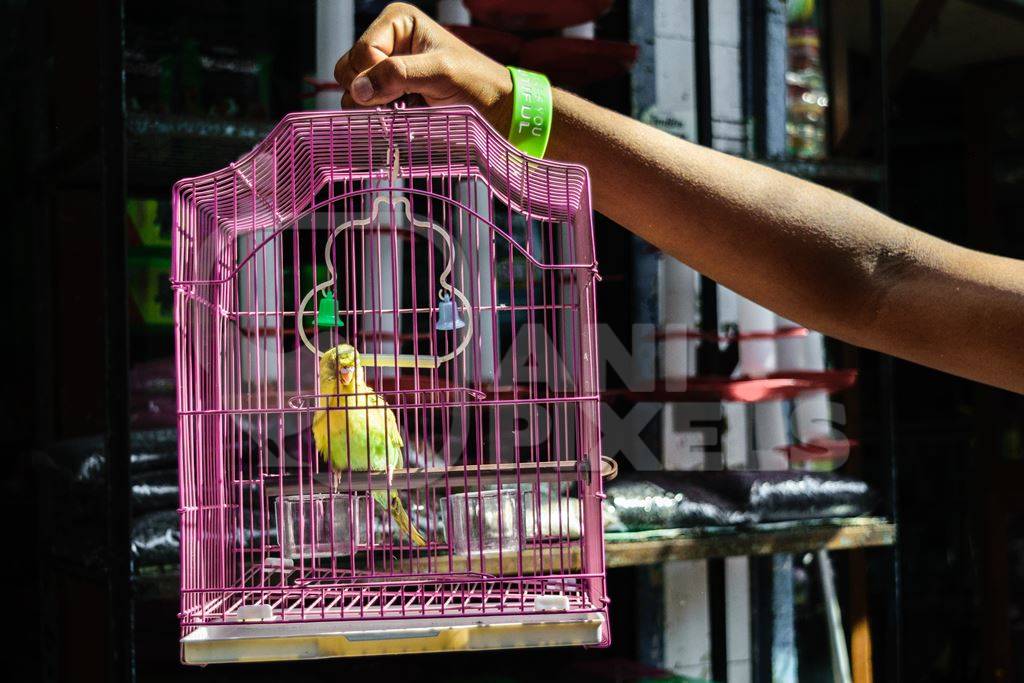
(320, 85)
(777, 386)
(498, 45)
(536, 15)
(575, 62)
(817, 450)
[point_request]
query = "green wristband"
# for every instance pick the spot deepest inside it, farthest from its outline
(531, 111)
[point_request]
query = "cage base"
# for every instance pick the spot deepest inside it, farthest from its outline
(266, 642)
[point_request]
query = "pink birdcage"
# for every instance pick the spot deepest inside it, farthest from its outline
(462, 272)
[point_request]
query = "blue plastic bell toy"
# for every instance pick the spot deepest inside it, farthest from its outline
(448, 315)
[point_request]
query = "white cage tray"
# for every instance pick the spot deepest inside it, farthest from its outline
(267, 641)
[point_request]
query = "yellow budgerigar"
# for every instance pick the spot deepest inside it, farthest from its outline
(360, 440)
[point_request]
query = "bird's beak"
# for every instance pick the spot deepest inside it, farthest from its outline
(347, 374)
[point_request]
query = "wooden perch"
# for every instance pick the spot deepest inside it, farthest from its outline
(420, 478)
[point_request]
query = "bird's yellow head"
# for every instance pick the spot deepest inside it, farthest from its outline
(340, 369)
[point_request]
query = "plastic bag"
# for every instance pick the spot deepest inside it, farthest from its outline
(791, 495)
(640, 502)
(156, 539)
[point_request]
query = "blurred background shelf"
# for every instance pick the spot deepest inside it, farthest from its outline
(627, 549)
(632, 549)
(162, 149)
(159, 150)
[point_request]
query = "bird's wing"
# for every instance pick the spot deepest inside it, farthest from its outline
(394, 434)
(320, 432)
(341, 439)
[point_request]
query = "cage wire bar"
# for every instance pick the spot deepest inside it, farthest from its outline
(448, 281)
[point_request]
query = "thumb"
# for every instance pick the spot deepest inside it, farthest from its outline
(424, 74)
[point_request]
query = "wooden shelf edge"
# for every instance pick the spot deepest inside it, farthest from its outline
(764, 540)
(697, 544)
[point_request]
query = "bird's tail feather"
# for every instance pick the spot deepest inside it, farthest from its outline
(400, 516)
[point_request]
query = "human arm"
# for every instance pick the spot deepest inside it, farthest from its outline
(810, 254)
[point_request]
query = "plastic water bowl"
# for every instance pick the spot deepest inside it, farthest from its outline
(312, 527)
(548, 515)
(478, 521)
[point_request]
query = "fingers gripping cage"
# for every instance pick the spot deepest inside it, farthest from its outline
(463, 274)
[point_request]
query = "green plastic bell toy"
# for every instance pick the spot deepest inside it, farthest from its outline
(327, 313)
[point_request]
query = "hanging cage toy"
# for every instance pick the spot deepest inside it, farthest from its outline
(387, 390)
(329, 315)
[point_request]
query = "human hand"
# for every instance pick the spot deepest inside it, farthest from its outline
(406, 52)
